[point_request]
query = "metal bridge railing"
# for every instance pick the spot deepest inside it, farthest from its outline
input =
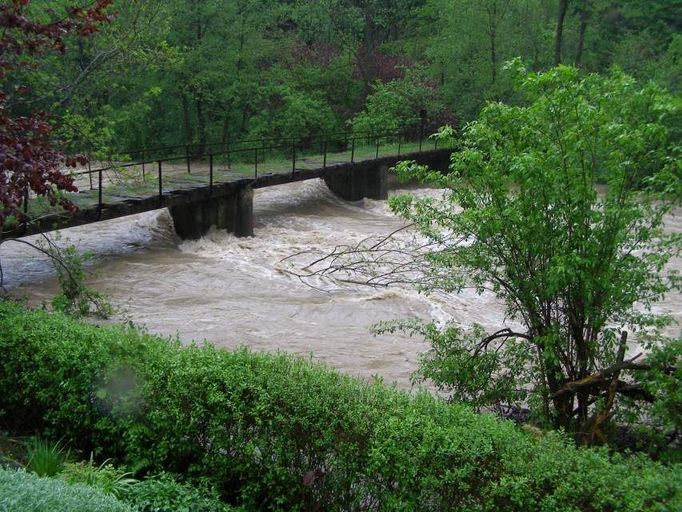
(255, 152)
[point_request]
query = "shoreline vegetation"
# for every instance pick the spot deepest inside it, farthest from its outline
(276, 432)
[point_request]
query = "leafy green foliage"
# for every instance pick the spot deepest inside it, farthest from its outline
(45, 458)
(575, 265)
(663, 379)
(75, 296)
(181, 71)
(29, 493)
(165, 494)
(276, 432)
(292, 114)
(105, 477)
(394, 107)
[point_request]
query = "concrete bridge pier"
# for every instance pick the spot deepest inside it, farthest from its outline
(364, 179)
(232, 212)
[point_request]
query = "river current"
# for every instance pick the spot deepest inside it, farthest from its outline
(237, 292)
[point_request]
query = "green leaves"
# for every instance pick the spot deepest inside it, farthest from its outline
(273, 432)
(557, 205)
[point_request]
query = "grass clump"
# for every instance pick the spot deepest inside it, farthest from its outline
(45, 458)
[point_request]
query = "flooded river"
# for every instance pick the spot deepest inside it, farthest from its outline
(238, 292)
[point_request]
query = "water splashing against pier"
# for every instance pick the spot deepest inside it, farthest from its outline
(238, 291)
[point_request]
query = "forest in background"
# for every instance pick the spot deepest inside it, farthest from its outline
(198, 71)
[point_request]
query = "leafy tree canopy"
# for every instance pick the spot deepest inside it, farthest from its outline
(577, 265)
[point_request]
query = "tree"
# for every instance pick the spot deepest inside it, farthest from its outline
(557, 207)
(577, 268)
(28, 157)
(394, 107)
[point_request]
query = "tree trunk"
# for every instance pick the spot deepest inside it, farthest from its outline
(559, 36)
(584, 15)
(493, 54)
(225, 135)
(186, 118)
(201, 123)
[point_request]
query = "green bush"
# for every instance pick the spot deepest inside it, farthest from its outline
(26, 492)
(278, 433)
(105, 477)
(164, 494)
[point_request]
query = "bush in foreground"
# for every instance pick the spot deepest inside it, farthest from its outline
(27, 492)
(276, 432)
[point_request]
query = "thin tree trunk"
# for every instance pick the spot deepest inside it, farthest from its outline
(496, 12)
(224, 137)
(201, 123)
(493, 54)
(581, 37)
(186, 118)
(559, 36)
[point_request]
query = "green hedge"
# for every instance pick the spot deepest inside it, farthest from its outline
(26, 492)
(279, 433)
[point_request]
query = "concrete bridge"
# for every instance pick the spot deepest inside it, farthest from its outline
(204, 195)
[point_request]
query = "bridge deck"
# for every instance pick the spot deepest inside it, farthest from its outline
(134, 188)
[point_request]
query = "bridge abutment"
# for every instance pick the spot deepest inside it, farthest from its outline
(243, 220)
(232, 212)
(362, 180)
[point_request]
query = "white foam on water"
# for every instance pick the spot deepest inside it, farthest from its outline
(241, 291)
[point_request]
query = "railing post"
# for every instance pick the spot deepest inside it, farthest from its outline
(90, 173)
(26, 195)
(422, 123)
(210, 174)
(376, 155)
(99, 193)
(293, 158)
(352, 150)
(229, 160)
(435, 143)
(160, 185)
(324, 151)
(143, 173)
(188, 160)
(400, 140)
(255, 161)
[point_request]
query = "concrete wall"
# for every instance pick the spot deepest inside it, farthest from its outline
(232, 212)
(232, 208)
(371, 178)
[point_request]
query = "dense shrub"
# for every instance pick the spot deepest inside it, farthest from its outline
(164, 494)
(27, 492)
(105, 477)
(276, 432)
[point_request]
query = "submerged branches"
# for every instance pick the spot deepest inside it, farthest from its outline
(75, 296)
(398, 258)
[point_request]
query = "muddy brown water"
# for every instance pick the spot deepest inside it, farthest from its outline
(238, 292)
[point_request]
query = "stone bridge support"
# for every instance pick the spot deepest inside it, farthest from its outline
(370, 178)
(229, 206)
(232, 212)
(364, 179)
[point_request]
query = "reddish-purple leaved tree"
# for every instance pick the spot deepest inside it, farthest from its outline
(28, 159)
